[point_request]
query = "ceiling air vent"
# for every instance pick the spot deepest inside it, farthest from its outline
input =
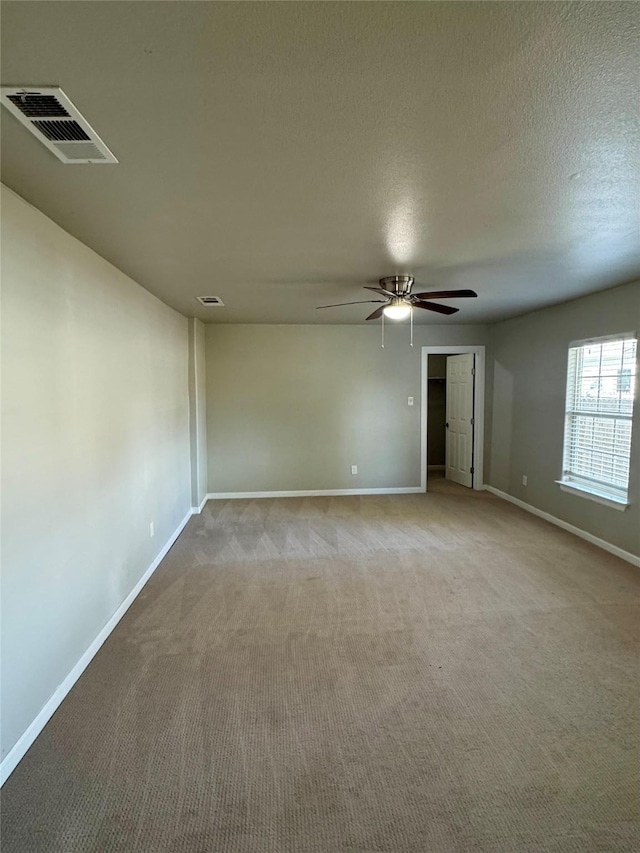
(52, 118)
(209, 300)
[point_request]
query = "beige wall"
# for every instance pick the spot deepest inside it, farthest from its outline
(293, 407)
(197, 411)
(530, 370)
(95, 446)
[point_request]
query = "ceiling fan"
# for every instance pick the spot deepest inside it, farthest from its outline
(398, 299)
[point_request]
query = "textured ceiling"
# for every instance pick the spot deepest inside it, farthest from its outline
(281, 155)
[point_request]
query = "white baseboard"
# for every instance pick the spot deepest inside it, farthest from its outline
(314, 493)
(16, 753)
(577, 531)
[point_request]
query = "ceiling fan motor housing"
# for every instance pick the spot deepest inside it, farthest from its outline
(400, 284)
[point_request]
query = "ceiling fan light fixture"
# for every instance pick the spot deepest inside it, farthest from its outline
(398, 309)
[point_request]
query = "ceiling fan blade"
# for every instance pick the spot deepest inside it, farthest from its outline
(380, 290)
(377, 313)
(340, 304)
(445, 294)
(433, 306)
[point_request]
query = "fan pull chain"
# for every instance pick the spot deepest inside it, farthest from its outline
(383, 330)
(411, 315)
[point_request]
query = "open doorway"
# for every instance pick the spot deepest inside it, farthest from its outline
(437, 414)
(453, 414)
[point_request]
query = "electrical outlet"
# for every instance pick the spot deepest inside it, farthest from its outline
(524, 479)
(354, 469)
(409, 401)
(151, 530)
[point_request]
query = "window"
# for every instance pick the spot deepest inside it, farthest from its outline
(597, 435)
(624, 380)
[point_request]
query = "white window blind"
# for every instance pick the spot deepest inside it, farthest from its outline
(601, 381)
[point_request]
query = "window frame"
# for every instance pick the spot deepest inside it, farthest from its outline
(609, 494)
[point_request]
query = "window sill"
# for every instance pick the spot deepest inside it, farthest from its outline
(599, 497)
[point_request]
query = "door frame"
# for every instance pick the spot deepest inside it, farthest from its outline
(478, 408)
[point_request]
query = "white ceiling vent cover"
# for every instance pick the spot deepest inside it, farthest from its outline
(210, 300)
(52, 118)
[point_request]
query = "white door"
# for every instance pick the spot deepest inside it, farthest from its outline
(459, 414)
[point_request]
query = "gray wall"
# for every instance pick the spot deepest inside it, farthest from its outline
(530, 368)
(95, 447)
(293, 407)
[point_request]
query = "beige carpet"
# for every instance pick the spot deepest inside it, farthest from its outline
(436, 673)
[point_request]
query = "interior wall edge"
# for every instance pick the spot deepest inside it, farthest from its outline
(6, 188)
